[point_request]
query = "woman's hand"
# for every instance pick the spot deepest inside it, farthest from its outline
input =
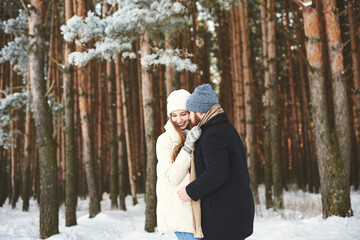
(192, 136)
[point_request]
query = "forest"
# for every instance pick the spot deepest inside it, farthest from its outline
(83, 89)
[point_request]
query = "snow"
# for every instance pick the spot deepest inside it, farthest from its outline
(301, 219)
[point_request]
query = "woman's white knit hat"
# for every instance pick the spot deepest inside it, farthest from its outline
(177, 100)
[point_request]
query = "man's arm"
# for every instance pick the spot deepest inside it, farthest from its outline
(216, 157)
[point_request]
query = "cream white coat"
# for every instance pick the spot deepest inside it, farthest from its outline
(173, 215)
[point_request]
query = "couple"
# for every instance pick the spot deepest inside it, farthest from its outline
(207, 162)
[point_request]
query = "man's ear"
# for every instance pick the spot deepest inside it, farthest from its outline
(200, 115)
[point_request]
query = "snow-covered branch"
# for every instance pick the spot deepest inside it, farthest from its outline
(11, 101)
(116, 32)
(14, 51)
(169, 58)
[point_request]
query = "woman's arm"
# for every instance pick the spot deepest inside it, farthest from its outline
(173, 173)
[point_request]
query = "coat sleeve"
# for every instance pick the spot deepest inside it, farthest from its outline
(173, 173)
(216, 156)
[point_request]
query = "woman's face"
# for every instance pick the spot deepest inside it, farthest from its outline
(181, 118)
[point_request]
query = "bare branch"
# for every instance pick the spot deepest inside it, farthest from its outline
(25, 7)
(302, 4)
(50, 89)
(2, 91)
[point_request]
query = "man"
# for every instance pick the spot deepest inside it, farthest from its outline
(222, 183)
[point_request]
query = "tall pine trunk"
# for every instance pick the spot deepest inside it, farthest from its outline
(87, 152)
(71, 169)
(25, 193)
(273, 108)
(127, 140)
(310, 156)
(49, 205)
(339, 86)
(356, 91)
(248, 98)
(295, 138)
(170, 72)
(120, 134)
(335, 193)
(267, 142)
(111, 84)
(149, 121)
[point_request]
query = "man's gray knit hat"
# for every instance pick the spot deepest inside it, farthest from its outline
(202, 99)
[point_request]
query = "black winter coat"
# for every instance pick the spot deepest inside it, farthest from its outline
(227, 204)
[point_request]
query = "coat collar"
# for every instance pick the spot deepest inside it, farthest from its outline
(169, 128)
(220, 118)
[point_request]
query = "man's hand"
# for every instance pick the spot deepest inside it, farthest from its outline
(183, 194)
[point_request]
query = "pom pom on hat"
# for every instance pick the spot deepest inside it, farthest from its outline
(202, 99)
(177, 100)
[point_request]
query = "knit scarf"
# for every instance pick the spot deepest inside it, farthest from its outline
(196, 207)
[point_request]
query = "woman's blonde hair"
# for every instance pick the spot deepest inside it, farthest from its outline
(182, 135)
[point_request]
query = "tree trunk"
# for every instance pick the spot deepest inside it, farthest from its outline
(71, 170)
(295, 139)
(170, 72)
(99, 125)
(12, 146)
(356, 91)
(120, 134)
(310, 155)
(25, 193)
(94, 207)
(335, 193)
(225, 73)
(43, 121)
(194, 12)
(248, 92)
(237, 73)
(267, 142)
(112, 130)
(339, 87)
(3, 175)
(273, 112)
(148, 107)
(110, 74)
(127, 140)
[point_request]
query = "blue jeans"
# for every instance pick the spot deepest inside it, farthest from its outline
(185, 236)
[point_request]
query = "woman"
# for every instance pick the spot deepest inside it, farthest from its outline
(173, 151)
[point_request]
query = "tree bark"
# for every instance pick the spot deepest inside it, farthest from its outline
(339, 87)
(120, 134)
(273, 108)
(194, 12)
(248, 98)
(127, 140)
(335, 193)
(267, 142)
(28, 156)
(295, 138)
(49, 205)
(112, 130)
(225, 65)
(148, 107)
(110, 73)
(94, 207)
(71, 170)
(356, 90)
(170, 72)
(310, 155)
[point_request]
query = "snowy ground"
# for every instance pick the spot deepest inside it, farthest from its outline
(301, 219)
